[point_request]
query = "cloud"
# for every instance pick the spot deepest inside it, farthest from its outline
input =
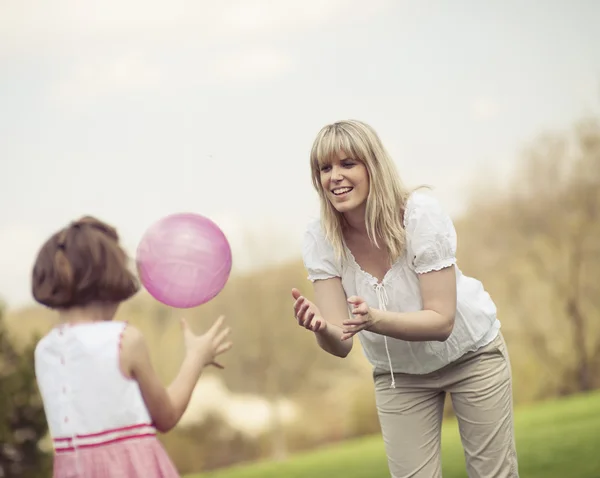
(18, 246)
(99, 49)
(286, 15)
(251, 65)
(586, 90)
(100, 77)
(484, 108)
(29, 24)
(95, 78)
(23, 20)
(258, 243)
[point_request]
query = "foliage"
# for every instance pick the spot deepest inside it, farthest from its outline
(23, 422)
(535, 247)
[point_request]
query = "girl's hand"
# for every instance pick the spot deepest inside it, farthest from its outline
(307, 314)
(362, 318)
(206, 347)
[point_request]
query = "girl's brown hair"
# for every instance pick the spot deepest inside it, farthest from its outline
(82, 264)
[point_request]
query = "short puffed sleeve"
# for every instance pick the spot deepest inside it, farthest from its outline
(431, 237)
(318, 255)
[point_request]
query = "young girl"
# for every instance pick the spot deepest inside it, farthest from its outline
(388, 255)
(102, 399)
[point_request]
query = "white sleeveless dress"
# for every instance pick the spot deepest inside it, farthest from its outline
(96, 416)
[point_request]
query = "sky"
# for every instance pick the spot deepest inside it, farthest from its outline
(130, 110)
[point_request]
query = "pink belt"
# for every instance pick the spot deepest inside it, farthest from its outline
(105, 437)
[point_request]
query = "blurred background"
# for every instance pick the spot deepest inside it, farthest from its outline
(130, 110)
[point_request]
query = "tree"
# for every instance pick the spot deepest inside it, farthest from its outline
(23, 422)
(542, 254)
(275, 358)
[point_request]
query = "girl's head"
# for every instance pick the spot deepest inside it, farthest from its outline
(354, 175)
(83, 265)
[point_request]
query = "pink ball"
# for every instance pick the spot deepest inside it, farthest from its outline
(184, 260)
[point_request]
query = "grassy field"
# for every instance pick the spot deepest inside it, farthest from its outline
(558, 439)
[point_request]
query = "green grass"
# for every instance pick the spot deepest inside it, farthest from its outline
(555, 439)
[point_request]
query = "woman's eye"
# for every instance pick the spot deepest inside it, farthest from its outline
(348, 164)
(324, 169)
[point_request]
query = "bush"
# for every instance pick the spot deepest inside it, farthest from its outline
(23, 422)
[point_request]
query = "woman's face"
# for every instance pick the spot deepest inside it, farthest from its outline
(345, 182)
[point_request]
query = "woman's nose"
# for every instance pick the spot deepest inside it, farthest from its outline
(336, 174)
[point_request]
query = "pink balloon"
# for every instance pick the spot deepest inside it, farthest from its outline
(184, 260)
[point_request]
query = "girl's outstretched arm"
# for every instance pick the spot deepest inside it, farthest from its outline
(167, 405)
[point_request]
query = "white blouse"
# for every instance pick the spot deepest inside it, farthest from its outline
(431, 245)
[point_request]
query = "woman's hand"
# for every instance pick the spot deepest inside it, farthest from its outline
(307, 314)
(362, 318)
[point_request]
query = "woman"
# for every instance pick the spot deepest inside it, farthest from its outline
(387, 256)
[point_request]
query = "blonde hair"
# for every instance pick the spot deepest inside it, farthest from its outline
(387, 194)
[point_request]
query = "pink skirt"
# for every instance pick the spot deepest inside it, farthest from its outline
(142, 457)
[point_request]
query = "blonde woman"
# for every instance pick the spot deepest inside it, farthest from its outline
(383, 266)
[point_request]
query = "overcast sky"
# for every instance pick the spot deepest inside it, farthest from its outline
(130, 110)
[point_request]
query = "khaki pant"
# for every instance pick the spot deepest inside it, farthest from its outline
(480, 385)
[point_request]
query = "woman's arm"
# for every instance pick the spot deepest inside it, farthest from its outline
(326, 316)
(330, 299)
(434, 322)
